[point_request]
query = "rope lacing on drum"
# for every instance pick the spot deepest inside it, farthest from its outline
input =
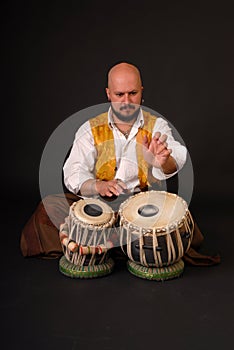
(129, 241)
(142, 251)
(179, 241)
(170, 248)
(157, 257)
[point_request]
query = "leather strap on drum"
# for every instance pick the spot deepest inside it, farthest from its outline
(104, 142)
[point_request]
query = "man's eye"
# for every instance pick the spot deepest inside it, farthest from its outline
(119, 94)
(133, 92)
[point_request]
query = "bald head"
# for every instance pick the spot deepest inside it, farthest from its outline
(124, 71)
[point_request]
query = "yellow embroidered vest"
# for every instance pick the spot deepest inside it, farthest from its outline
(105, 166)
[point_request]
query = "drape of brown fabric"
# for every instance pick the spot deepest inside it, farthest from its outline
(40, 235)
(193, 257)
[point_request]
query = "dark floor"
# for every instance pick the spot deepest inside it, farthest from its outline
(43, 309)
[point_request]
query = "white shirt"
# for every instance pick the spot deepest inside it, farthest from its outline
(80, 165)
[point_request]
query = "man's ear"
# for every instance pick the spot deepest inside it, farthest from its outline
(142, 99)
(108, 94)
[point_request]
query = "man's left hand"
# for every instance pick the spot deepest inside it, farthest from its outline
(156, 153)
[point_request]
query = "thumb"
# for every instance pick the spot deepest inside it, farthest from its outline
(145, 141)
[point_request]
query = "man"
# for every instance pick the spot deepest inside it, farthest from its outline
(117, 153)
(125, 121)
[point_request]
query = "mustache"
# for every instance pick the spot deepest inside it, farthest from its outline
(127, 106)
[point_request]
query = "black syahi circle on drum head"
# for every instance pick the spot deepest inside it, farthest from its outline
(148, 210)
(93, 210)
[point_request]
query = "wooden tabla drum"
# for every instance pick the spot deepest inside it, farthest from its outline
(85, 239)
(156, 230)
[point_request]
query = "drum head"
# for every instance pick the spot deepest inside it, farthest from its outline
(153, 209)
(93, 211)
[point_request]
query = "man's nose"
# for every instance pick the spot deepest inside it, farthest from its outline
(126, 98)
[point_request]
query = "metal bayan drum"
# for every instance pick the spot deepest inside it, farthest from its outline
(85, 239)
(156, 230)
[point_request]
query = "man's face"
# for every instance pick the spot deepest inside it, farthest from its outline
(125, 94)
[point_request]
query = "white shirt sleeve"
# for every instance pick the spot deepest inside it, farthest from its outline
(179, 152)
(79, 167)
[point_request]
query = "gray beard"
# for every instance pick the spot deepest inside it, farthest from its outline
(125, 118)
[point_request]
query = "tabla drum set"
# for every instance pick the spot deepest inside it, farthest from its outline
(154, 230)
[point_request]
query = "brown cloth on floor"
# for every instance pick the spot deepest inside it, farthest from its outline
(40, 236)
(193, 257)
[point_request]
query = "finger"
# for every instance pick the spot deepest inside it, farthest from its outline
(108, 193)
(157, 135)
(113, 190)
(153, 145)
(145, 141)
(121, 184)
(161, 148)
(105, 192)
(158, 139)
(107, 189)
(163, 138)
(116, 186)
(120, 189)
(165, 154)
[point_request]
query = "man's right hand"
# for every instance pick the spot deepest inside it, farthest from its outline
(110, 188)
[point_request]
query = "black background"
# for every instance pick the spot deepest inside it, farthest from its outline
(54, 62)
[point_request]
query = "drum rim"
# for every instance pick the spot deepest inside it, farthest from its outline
(107, 223)
(161, 229)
